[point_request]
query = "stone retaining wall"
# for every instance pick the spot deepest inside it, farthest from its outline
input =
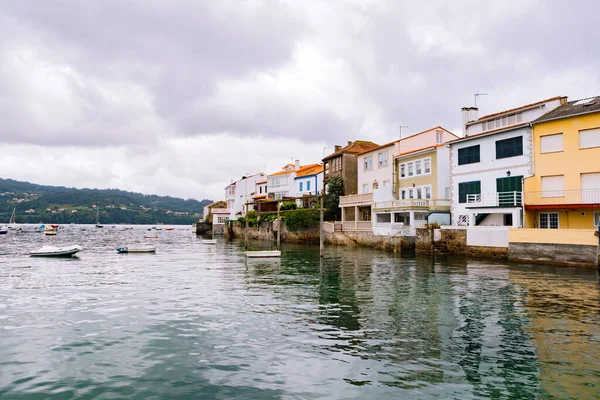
(553, 253)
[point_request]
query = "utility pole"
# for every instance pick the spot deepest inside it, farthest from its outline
(321, 227)
(246, 229)
(278, 228)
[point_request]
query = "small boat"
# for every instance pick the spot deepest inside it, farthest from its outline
(3, 230)
(139, 249)
(50, 232)
(54, 226)
(209, 241)
(169, 229)
(12, 225)
(264, 254)
(51, 251)
(98, 218)
(150, 236)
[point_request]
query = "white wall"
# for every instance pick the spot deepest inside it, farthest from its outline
(488, 237)
(289, 187)
(489, 168)
(316, 181)
(377, 173)
(244, 190)
(443, 171)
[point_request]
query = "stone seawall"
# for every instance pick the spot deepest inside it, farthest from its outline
(454, 241)
(266, 232)
(552, 253)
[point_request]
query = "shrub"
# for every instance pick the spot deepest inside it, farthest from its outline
(288, 205)
(301, 219)
(270, 217)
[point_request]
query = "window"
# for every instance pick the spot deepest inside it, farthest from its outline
(366, 215)
(411, 194)
(410, 169)
(418, 168)
(553, 186)
(368, 162)
(402, 218)
(260, 189)
(439, 137)
(365, 188)
(384, 218)
(512, 119)
(549, 220)
(307, 185)
(428, 192)
(551, 143)
(468, 155)
(427, 165)
(383, 159)
(590, 188)
(596, 218)
(402, 170)
(504, 121)
(419, 193)
(509, 147)
(465, 188)
(519, 117)
(300, 186)
(403, 195)
(589, 138)
(498, 122)
(509, 190)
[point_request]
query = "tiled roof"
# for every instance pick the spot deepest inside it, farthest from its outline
(572, 108)
(281, 173)
(408, 137)
(435, 146)
(514, 109)
(491, 131)
(358, 146)
(311, 169)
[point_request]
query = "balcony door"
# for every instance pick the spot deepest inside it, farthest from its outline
(509, 191)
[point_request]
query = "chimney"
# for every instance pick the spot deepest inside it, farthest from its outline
(296, 165)
(337, 148)
(349, 142)
(468, 114)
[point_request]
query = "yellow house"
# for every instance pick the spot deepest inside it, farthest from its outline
(564, 193)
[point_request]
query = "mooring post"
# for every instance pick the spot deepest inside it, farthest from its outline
(278, 227)
(246, 229)
(321, 226)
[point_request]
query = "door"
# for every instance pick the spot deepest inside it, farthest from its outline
(509, 191)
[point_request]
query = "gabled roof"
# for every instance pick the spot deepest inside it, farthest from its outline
(406, 138)
(490, 132)
(311, 169)
(571, 109)
(537, 103)
(216, 202)
(424, 149)
(261, 182)
(355, 147)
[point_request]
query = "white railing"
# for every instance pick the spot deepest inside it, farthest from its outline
(585, 196)
(507, 199)
(414, 203)
(356, 226)
(356, 199)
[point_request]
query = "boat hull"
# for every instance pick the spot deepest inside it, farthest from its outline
(209, 241)
(124, 250)
(48, 251)
(264, 254)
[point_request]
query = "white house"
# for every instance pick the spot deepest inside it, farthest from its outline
(488, 164)
(377, 177)
(238, 193)
(308, 181)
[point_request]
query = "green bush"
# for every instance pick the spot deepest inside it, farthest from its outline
(270, 217)
(301, 219)
(288, 205)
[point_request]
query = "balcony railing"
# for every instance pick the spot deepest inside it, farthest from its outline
(425, 204)
(219, 210)
(500, 199)
(357, 226)
(549, 197)
(356, 199)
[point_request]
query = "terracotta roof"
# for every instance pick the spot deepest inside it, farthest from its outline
(435, 146)
(311, 169)
(261, 182)
(217, 202)
(281, 173)
(571, 109)
(515, 109)
(358, 146)
(259, 196)
(408, 137)
(504, 128)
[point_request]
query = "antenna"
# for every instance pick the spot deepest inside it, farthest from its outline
(402, 126)
(324, 149)
(478, 94)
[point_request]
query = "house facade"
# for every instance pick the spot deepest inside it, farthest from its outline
(240, 192)
(342, 163)
(564, 193)
(218, 207)
(488, 164)
(378, 180)
(308, 181)
(280, 184)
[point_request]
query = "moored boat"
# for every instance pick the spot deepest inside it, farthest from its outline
(136, 249)
(12, 225)
(155, 236)
(52, 251)
(3, 230)
(209, 241)
(264, 254)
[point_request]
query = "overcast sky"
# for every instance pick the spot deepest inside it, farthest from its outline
(178, 96)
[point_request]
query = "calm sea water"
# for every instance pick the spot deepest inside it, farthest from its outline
(200, 321)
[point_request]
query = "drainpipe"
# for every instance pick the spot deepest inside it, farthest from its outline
(527, 176)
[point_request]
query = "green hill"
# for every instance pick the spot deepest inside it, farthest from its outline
(58, 204)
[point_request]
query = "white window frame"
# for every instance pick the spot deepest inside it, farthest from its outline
(547, 217)
(418, 168)
(595, 144)
(410, 168)
(428, 192)
(415, 168)
(427, 166)
(368, 163)
(553, 150)
(383, 159)
(596, 218)
(439, 137)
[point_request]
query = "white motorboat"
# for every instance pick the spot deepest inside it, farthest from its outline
(209, 241)
(137, 249)
(3, 230)
(51, 251)
(264, 254)
(50, 232)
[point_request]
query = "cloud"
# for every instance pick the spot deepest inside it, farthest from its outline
(116, 77)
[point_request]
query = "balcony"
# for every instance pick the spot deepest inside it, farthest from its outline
(356, 200)
(563, 197)
(219, 210)
(500, 199)
(415, 204)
